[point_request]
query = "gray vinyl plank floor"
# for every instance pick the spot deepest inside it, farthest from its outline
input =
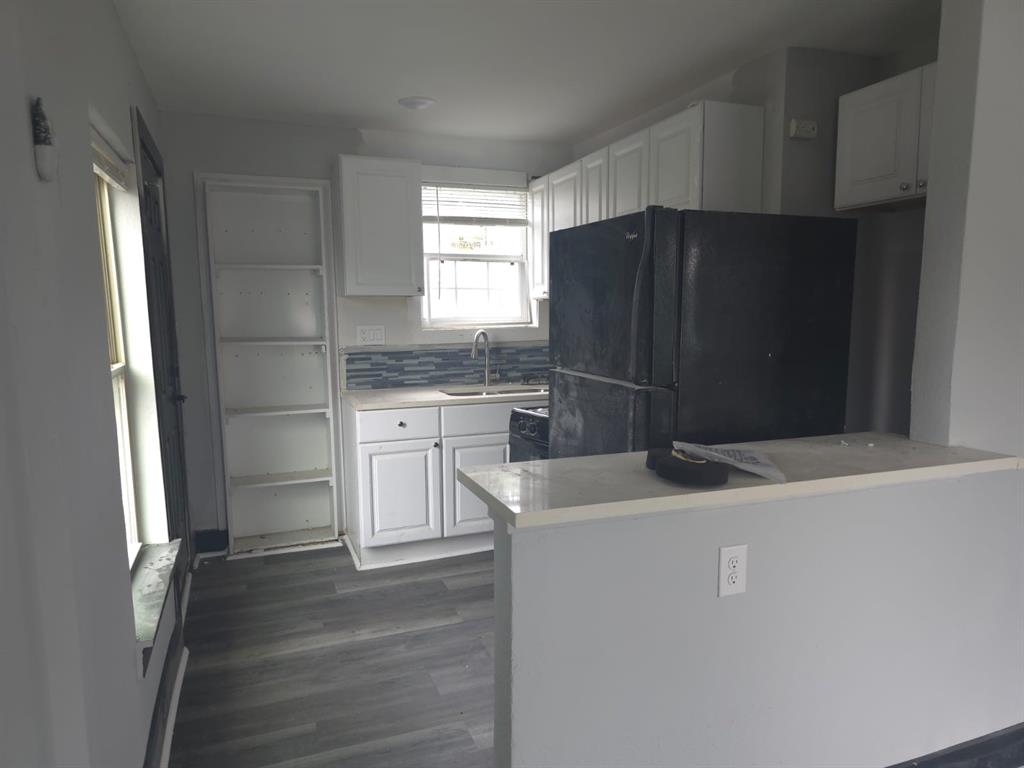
(300, 661)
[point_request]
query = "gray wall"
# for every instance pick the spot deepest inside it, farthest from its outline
(205, 144)
(877, 626)
(886, 283)
(73, 696)
(968, 378)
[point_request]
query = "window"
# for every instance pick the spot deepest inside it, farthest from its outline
(474, 242)
(118, 361)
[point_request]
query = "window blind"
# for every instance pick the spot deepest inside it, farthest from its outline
(446, 204)
(107, 162)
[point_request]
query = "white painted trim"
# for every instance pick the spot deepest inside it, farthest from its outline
(412, 552)
(172, 715)
(284, 550)
(352, 551)
(207, 555)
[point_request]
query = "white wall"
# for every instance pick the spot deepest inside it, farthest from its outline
(202, 143)
(968, 378)
(24, 730)
(76, 700)
(877, 626)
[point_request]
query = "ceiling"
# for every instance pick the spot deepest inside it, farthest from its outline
(508, 69)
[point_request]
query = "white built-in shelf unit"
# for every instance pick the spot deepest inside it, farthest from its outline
(269, 247)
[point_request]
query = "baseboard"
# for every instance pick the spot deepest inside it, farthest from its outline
(371, 558)
(211, 540)
(172, 715)
(1004, 747)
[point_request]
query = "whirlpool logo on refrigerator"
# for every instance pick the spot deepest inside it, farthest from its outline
(632, 235)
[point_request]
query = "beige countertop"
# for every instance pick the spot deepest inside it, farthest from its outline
(558, 491)
(419, 397)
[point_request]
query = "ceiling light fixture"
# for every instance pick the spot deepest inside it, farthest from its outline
(417, 102)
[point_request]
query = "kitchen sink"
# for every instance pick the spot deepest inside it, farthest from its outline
(492, 391)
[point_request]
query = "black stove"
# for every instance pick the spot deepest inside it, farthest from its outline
(528, 434)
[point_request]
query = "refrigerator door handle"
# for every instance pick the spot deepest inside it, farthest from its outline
(639, 285)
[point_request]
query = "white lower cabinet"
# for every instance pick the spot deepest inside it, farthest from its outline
(403, 499)
(463, 512)
(400, 491)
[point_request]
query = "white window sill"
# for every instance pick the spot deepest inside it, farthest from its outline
(152, 579)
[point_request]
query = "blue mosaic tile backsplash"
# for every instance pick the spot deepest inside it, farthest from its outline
(381, 367)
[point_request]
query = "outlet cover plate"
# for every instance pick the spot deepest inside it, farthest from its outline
(369, 334)
(732, 570)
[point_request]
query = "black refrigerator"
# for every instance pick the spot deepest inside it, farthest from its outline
(703, 326)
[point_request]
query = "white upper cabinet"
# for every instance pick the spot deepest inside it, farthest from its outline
(628, 161)
(594, 186)
(676, 145)
(879, 140)
(381, 226)
(539, 228)
(708, 156)
(565, 198)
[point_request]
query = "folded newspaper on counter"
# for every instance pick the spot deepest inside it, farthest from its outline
(746, 459)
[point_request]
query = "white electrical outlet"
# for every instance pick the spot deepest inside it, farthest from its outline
(732, 570)
(369, 334)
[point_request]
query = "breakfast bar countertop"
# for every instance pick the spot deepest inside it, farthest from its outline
(559, 491)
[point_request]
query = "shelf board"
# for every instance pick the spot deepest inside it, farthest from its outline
(272, 341)
(281, 478)
(276, 410)
(284, 539)
(273, 267)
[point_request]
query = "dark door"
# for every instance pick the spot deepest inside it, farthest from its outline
(765, 326)
(600, 299)
(166, 372)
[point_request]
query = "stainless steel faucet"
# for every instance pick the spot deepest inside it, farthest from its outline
(487, 354)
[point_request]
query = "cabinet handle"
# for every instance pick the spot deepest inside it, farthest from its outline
(922, 183)
(437, 445)
(419, 289)
(401, 423)
(904, 186)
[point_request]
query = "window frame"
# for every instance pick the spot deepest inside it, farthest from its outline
(526, 315)
(118, 361)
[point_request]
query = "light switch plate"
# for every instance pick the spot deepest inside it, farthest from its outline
(803, 129)
(369, 334)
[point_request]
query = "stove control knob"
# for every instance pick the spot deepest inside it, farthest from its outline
(522, 427)
(531, 428)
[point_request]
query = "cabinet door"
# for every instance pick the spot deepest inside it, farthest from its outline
(924, 143)
(876, 145)
(463, 512)
(675, 169)
(594, 187)
(628, 161)
(538, 233)
(399, 491)
(381, 226)
(565, 197)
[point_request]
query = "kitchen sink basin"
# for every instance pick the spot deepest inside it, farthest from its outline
(492, 391)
